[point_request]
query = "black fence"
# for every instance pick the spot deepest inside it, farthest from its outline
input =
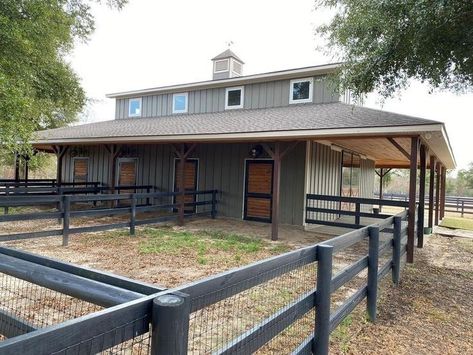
(278, 305)
(124, 205)
(453, 204)
(330, 210)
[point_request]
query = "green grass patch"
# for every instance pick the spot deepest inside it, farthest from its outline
(458, 223)
(203, 243)
(341, 334)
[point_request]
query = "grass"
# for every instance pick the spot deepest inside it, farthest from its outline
(202, 243)
(341, 334)
(457, 223)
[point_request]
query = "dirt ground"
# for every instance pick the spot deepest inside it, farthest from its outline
(431, 312)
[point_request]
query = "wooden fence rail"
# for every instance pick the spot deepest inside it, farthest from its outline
(66, 212)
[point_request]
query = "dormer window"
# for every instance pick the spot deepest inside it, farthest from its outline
(134, 107)
(234, 97)
(179, 103)
(300, 91)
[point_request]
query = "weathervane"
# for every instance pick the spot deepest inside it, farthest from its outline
(229, 44)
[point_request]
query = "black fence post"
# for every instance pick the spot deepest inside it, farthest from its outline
(7, 192)
(213, 213)
(170, 324)
(357, 215)
(372, 292)
(463, 208)
(322, 299)
(396, 272)
(133, 215)
(66, 219)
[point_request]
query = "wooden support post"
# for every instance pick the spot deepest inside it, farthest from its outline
(276, 191)
(437, 195)
(431, 191)
(372, 290)
(443, 188)
(60, 152)
(412, 200)
(322, 299)
(17, 167)
(170, 324)
(133, 215)
(381, 177)
(182, 154)
(420, 221)
(277, 157)
(26, 159)
(396, 272)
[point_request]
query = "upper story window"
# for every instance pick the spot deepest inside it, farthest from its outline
(134, 107)
(179, 103)
(300, 90)
(234, 97)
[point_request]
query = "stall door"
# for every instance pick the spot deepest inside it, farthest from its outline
(190, 181)
(258, 190)
(81, 170)
(126, 172)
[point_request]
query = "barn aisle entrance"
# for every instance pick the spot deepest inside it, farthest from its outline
(258, 190)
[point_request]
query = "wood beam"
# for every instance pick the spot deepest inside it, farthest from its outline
(431, 191)
(442, 192)
(412, 200)
(400, 148)
(60, 152)
(182, 154)
(437, 195)
(420, 220)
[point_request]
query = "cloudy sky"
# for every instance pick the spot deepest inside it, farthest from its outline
(152, 43)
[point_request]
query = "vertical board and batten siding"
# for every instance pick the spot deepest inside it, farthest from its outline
(324, 177)
(258, 95)
(221, 167)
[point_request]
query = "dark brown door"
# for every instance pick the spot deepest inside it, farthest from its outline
(190, 181)
(127, 172)
(81, 170)
(258, 190)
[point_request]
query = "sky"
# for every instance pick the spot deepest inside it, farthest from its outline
(151, 43)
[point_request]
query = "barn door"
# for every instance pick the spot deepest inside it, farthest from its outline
(81, 170)
(258, 190)
(126, 173)
(190, 181)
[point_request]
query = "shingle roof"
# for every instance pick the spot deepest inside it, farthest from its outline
(277, 119)
(227, 54)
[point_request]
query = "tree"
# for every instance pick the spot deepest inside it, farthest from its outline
(466, 175)
(38, 88)
(384, 43)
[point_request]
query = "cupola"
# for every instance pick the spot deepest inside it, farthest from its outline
(227, 65)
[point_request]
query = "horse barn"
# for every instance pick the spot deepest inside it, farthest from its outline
(273, 148)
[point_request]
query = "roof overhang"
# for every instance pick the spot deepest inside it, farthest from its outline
(433, 135)
(248, 79)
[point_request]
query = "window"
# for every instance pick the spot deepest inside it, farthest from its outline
(237, 67)
(300, 91)
(179, 103)
(134, 107)
(221, 65)
(234, 97)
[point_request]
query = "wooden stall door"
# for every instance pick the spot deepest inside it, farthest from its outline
(258, 190)
(81, 170)
(190, 182)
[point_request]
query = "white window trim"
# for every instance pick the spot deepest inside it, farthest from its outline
(129, 107)
(174, 102)
(311, 90)
(242, 99)
(222, 60)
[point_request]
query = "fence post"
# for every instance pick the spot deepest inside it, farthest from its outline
(66, 219)
(357, 211)
(396, 272)
(133, 215)
(463, 208)
(7, 192)
(213, 213)
(372, 292)
(170, 324)
(322, 299)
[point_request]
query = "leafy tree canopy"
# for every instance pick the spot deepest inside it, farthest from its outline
(383, 43)
(38, 88)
